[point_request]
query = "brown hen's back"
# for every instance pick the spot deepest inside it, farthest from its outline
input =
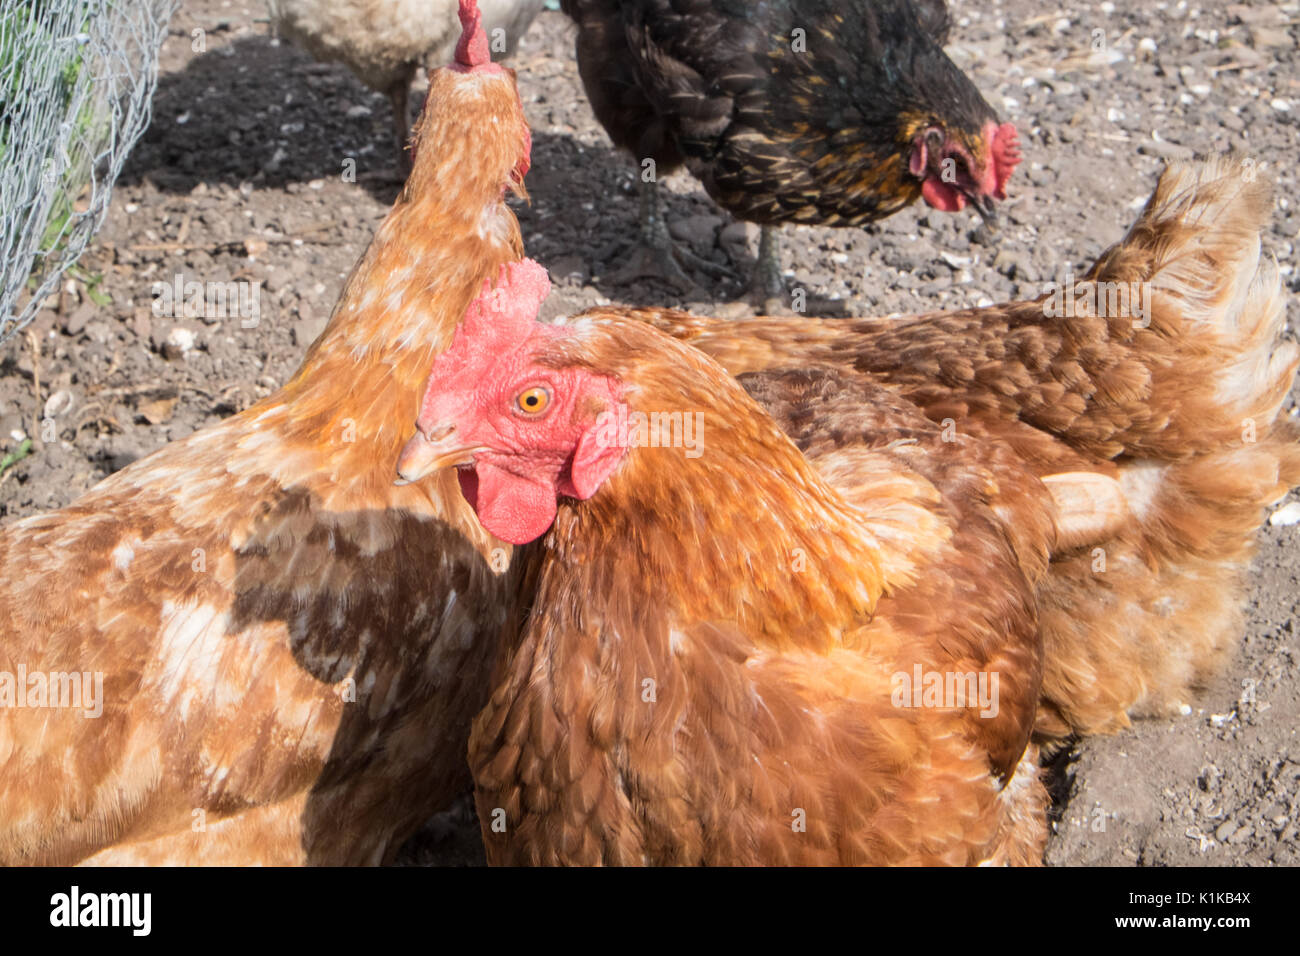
(1176, 396)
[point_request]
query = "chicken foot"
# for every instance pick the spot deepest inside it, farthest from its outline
(654, 255)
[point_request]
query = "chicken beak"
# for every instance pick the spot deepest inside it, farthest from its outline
(987, 210)
(426, 452)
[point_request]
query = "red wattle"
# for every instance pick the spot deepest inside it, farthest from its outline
(942, 196)
(512, 508)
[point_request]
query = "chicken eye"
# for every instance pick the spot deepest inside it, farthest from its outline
(533, 401)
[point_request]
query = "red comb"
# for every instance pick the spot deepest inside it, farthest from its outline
(472, 50)
(496, 323)
(510, 310)
(1006, 156)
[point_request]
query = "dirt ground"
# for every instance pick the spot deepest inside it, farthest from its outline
(240, 177)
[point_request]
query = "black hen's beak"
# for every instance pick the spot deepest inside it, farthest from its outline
(987, 208)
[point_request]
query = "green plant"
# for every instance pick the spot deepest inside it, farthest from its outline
(15, 456)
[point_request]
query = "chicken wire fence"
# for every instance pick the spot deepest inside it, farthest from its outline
(76, 81)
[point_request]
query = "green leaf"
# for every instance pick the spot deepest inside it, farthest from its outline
(15, 456)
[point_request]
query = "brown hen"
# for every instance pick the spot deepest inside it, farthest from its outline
(288, 648)
(714, 667)
(1180, 406)
(720, 661)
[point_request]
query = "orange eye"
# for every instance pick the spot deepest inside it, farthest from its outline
(533, 401)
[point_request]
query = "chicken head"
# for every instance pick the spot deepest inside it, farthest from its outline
(520, 431)
(954, 172)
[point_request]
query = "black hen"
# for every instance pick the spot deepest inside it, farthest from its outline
(826, 112)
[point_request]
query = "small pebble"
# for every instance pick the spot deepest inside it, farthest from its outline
(1288, 514)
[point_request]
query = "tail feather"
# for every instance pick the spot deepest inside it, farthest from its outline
(1132, 629)
(1211, 311)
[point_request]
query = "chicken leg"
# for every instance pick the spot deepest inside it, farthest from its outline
(654, 255)
(768, 281)
(399, 94)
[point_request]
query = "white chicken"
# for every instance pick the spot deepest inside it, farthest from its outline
(385, 42)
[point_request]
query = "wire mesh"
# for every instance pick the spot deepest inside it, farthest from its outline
(76, 81)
